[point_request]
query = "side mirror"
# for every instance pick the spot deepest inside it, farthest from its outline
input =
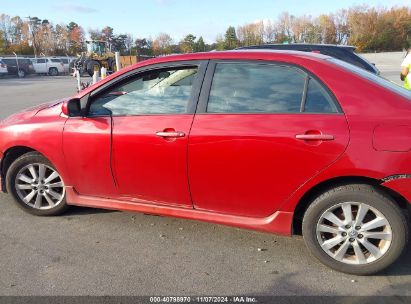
(71, 107)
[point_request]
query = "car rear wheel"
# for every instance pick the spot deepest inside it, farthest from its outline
(355, 229)
(36, 185)
(53, 72)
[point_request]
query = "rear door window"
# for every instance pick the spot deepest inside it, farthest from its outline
(267, 88)
(256, 88)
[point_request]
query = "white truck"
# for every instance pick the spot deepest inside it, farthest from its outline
(49, 66)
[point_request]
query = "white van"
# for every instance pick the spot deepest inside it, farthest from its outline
(48, 65)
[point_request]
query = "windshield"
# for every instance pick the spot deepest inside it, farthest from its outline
(387, 84)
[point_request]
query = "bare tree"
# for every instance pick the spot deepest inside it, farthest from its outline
(162, 44)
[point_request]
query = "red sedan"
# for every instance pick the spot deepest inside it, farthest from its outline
(281, 142)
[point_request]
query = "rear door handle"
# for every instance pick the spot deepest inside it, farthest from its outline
(172, 134)
(314, 137)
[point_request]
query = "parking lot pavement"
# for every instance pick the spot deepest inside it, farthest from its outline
(17, 94)
(388, 63)
(97, 252)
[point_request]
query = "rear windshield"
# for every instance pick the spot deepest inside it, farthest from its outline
(393, 87)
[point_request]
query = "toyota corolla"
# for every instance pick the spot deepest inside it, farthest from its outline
(280, 142)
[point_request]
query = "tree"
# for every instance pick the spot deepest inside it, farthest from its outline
(328, 29)
(162, 45)
(3, 45)
(128, 43)
(61, 40)
(107, 34)
(220, 43)
(341, 26)
(95, 34)
(5, 29)
(16, 30)
(119, 43)
(144, 46)
(76, 38)
(230, 39)
(251, 34)
(284, 27)
(200, 46)
(34, 24)
(187, 45)
(269, 31)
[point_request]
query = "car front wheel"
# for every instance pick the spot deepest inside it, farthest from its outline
(36, 185)
(355, 229)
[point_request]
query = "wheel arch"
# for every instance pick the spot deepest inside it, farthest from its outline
(10, 155)
(326, 185)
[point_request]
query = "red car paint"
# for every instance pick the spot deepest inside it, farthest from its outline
(244, 170)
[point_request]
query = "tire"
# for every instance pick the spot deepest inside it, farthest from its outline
(21, 74)
(352, 252)
(37, 196)
(112, 65)
(53, 72)
(91, 65)
(71, 67)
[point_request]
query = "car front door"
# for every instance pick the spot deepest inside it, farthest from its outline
(152, 113)
(261, 131)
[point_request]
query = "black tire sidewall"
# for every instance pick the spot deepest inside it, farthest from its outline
(361, 194)
(53, 72)
(90, 67)
(15, 167)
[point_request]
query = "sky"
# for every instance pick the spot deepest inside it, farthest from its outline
(148, 18)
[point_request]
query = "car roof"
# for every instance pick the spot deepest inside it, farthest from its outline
(304, 44)
(263, 54)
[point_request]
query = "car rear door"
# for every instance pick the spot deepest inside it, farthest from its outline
(152, 113)
(40, 65)
(260, 132)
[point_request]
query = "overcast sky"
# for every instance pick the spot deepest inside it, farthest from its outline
(144, 18)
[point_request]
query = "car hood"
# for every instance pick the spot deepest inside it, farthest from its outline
(46, 105)
(30, 112)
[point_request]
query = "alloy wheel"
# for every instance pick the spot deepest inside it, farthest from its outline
(39, 186)
(354, 233)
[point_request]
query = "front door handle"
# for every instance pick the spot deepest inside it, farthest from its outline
(314, 137)
(170, 134)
